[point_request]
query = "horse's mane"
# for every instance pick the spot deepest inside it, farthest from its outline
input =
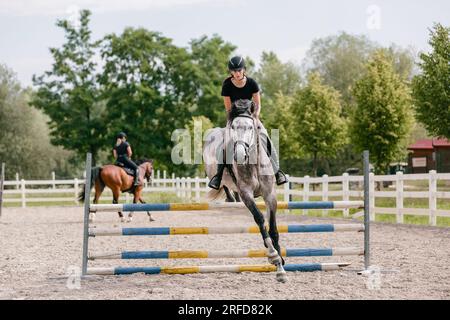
(143, 160)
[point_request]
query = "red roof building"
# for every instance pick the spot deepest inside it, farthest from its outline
(429, 154)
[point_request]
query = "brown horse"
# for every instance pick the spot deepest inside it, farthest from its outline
(115, 178)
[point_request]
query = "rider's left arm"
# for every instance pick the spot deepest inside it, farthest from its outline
(257, 100)
(129, 152)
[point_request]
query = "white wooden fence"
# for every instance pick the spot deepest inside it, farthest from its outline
(325, 188)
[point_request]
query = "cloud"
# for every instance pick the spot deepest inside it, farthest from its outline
(60, 7)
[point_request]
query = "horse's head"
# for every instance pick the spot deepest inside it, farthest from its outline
(243, 135)
(147, 165)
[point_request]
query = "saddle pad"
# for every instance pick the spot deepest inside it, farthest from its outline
(129, 171)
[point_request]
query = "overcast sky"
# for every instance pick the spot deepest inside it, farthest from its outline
(27, 27)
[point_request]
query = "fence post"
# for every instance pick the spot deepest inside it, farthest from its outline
(306, 192)
(367, 204)
(87, 197)
(287, 197)
(2, 179)
(76, 190)
(345, 192)
(174, 185)
(53, 178)
(286, 190)
(399, 196)
(183, 189)
(164, 178)
(197, 189)
(178, 187)
(432, 199)
(158, 177)
(372, 196)
(324, 192)
(189, 189)
(17, 181)
(22, 187)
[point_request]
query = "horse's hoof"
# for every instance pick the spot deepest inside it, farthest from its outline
(151, 219)
(130, 219)
(282, 277)
(122, 219)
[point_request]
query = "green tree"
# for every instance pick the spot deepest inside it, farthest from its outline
(320, 131)
(431, 88)
(210, 57)
(340, 60)
(24, 136)
(69, 93)
(151, 89)
(382, 116)
(402, 61)
(277, 81)
(276, 77)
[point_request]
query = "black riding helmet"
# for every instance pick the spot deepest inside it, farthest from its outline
(236, 63)
(121, 135)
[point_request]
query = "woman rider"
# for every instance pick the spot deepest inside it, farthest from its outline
(122, 153)
(239, 86)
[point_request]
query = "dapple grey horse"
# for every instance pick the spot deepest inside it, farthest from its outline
(249, 173)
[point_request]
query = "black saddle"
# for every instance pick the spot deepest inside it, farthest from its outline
(129, 171)
(242, 108)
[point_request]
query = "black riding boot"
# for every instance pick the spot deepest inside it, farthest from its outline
(271, 153)
(136, 178)
(281, 178)
(217, 179)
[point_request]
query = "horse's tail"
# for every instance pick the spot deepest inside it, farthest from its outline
(95, 175)
(214, 195)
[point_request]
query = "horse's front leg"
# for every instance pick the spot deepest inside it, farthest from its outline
(271, 205)
(136, 197)
(150, 218)
(130, 214)
(274, 257)
(247, 198)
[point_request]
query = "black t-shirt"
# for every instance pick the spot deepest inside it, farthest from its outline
(235, 93)
(121, 149)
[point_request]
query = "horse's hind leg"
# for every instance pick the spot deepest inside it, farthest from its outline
(98, 192)
(230, 197)
(116, 193)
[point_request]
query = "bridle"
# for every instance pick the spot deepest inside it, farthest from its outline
(246, 146)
